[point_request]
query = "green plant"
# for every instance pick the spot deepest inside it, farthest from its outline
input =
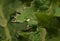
(43, 24)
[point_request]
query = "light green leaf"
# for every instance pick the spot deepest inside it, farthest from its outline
(57, 11)
(27, 13)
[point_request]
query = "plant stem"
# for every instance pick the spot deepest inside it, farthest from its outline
(8, 37)
(44, 35)
(4, 24)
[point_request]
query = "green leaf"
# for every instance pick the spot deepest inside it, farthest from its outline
(57, 11)
(38, 35)
(27, 13)
(18, 26)
(34, 36)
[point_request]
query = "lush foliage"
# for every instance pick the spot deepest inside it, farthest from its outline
(29, 20)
